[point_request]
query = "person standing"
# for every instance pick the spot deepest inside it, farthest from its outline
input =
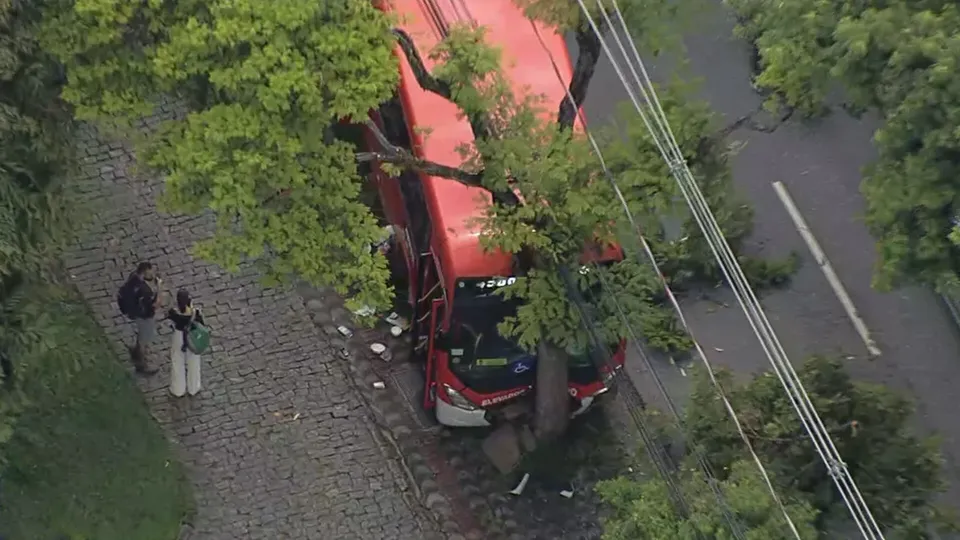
(184, 362)
(139, 298)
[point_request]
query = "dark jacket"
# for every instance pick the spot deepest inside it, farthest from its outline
(181, 321)
(146, 294)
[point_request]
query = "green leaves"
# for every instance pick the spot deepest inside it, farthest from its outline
(898, 472)
(267, 84)
(643, 509)
(35, 217)
(898, 57)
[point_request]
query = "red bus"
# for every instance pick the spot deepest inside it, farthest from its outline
(471, 371)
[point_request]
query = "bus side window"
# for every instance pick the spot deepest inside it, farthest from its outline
(416, 207)
(418, 219)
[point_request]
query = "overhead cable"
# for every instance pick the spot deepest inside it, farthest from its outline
(735, 525)
(665, 141)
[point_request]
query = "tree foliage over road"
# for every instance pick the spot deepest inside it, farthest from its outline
(899, 58)
(898, 472)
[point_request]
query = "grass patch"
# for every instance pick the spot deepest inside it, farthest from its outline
(87, 461)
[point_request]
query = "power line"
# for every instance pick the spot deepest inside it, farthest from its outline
(660, 459)
(666, 143)
(735, 526)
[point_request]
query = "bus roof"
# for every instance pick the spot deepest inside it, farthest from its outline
(440, 129)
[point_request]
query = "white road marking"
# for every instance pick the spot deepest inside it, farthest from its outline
(826, 267)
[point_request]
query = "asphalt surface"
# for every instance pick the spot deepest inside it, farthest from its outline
(820, 165)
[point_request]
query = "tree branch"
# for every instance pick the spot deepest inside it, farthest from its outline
(425, 79)
(588, 45)
(478, 124)
(749, 122)
(406, 159)
(402, 157)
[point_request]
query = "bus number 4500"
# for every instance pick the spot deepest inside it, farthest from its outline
(494, 283)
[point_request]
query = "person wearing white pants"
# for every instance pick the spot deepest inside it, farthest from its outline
(184, 363)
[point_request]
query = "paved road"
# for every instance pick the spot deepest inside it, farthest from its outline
(820, 165)
(277, 444)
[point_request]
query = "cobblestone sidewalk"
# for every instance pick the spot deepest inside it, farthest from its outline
(448, 468)
(278, 445)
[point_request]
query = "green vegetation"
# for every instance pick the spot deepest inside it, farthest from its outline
(643, 508)
(34, 155)
(79, 455)
(269, 90)
(88, 461)
(898, 58)
(897, 472)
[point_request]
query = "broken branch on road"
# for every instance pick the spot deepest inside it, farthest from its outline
(749, 122)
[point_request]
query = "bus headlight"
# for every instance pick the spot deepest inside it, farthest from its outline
(458, 400)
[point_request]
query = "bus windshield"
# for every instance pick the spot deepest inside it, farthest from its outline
(474, 336)
(474, 339)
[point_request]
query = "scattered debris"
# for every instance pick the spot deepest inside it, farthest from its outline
(394, 319)
(718, 349)
(344, 353)
(296, 416)
(365, 311)
(345, 332)
(522, 485)
(566, 493)
(395, 331)
(382, 351)
(379, 385)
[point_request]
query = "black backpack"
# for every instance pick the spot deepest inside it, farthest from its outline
(128, 298)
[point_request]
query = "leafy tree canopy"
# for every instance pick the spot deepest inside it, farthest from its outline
(897, 471)
(643, 509)
(267, 84)
(899, 58)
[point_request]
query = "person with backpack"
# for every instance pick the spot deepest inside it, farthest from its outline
(190, 339)
(139, 299)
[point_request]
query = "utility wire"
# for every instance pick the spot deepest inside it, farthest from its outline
(666, 143)
(821, 438)
(736, 527)
(660, 459)
(658, 456)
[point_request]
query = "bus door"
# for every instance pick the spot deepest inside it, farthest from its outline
(430, 379)
(428, 318)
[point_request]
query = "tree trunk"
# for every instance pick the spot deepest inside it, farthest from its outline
(588, 45)
(552, 413)
(552, 406)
